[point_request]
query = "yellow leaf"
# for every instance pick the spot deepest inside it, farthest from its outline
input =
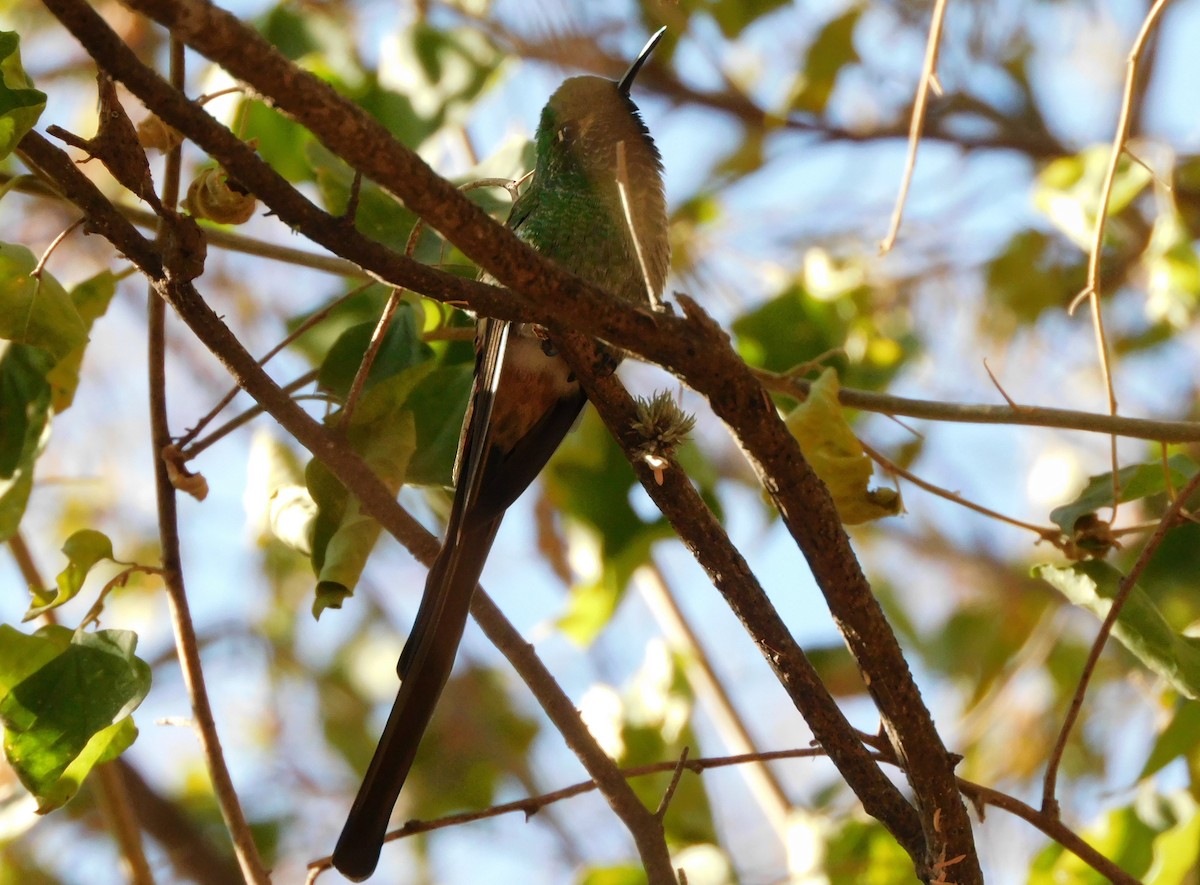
(834, 452)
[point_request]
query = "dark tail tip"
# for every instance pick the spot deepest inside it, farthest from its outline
(356, 854)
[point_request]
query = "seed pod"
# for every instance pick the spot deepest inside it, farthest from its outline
(217, 197)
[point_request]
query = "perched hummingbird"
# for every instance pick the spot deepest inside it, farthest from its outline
(595, 205)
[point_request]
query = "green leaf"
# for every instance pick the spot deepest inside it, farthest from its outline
(800, 324)
(279, 140)
(1033, 273)
(443, 70)
(382, 217)
(832, 51)
(36, 310)
(315, 341)
(1140, 626)
(383, 432)
(293, 34)
(1068, 190)
(834, 452)
(91, 299)
(20, 103)
(401, 349)
(629, 874)
(734, 16)
(1177, 850)
(1135, 482)
(1181, 737)
(60, 690)
(590, 481)
(25, 399)
(276, 500)
(104, 746)
(592, 604)
(22, 655)
(14, 497)
(83, 550)
(1173, 271)
(438, 405)
(379, 215)
(862, 851)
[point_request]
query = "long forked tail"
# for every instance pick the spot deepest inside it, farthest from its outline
(424, 668)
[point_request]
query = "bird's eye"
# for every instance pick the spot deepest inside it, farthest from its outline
(566, 133)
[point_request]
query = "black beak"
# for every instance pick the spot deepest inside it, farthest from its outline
(624, 84)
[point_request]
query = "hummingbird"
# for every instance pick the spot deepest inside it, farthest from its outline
(595, 205)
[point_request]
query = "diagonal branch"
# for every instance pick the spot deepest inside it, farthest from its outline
(926, 84)
(1092, 292)
(729, 572)
(692, 347)
(361, 481)
(1170, 519)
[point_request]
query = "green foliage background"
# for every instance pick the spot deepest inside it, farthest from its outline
(782, 131)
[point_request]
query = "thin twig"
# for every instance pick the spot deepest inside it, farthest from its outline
(234, 390)
(36, 273)
(1158, 179)
(669, 792)
(996, 383)
(979, 413)
(118, 580)
(449, 333)
(917, 123)
(1093, 273)
(531, 805)
(244, 418)
(643, 826)
(228, 90)
(184, 631)
(1169, 519)
(215, 236)
(1052, 826)
(368, 360)
(980, 795)
(351, 212)
(1046, 533)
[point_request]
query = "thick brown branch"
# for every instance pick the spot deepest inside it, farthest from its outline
(240, 160)
(374, 497)
(689, 347)
(729, 572)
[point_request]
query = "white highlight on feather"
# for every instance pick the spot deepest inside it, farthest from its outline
(627, 207)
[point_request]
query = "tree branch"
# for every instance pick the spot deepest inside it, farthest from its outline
(249, 861)
(361, 481)
(1169, 520)
(691, 347)
(729, 572)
